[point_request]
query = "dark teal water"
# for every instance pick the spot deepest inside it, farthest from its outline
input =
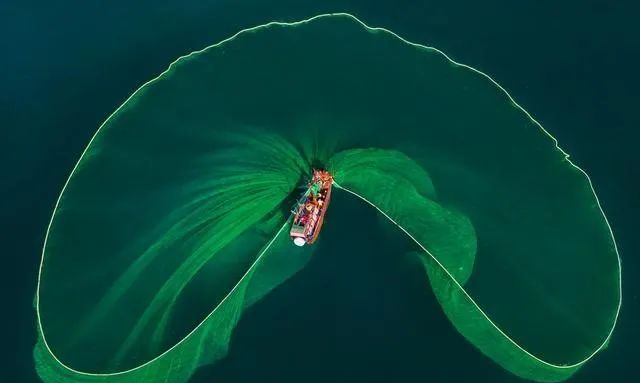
(64, 69)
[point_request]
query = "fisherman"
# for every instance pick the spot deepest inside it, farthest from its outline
(315, 188)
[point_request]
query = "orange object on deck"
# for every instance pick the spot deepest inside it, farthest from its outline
(311, 208)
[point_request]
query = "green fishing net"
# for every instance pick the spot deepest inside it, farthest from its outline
(176, 218)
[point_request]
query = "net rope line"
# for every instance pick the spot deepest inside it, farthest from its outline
(233, 289)
(563, 366)
(294, 23)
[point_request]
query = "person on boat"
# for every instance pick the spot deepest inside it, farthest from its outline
(315, 188)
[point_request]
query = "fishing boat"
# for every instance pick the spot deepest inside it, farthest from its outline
(311, 208)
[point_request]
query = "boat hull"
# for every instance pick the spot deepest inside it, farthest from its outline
(311, 209)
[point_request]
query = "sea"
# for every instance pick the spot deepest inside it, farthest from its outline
(66, 66)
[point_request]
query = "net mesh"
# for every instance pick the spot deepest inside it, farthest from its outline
(175, 218)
